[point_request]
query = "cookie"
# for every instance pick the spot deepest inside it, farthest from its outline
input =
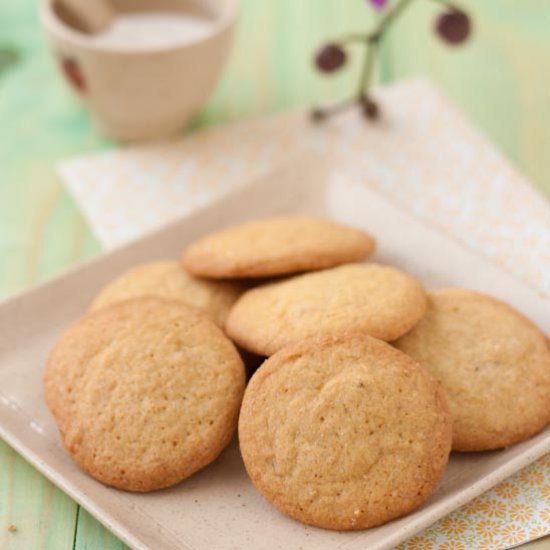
(377, 300)
(145, 392)
(276, 246)
(344, 433)
(167, 279)
(493, 364)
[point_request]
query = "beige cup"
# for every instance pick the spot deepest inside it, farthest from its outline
(135, 93)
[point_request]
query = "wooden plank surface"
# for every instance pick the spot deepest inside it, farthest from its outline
(42, 515)
(500, 79)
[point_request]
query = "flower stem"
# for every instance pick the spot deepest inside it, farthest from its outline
(388, 19)
(350, 38)
(373, 39)
(367, 72)
(371, 42)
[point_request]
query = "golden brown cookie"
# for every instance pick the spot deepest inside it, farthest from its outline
(493, 364)
(167, 279)
(145, 392)
(378, 300)
(344, 433)
(276, 246)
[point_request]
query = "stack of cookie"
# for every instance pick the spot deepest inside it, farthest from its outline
(368, 381)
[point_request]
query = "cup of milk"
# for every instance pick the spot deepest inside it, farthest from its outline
(151, 68)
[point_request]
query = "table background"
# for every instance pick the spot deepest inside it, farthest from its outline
(500, 79)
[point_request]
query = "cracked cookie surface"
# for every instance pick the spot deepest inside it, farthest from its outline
(344, 433)
(145, 392)
(493, 364)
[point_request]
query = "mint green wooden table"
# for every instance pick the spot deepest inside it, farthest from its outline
(500, 79)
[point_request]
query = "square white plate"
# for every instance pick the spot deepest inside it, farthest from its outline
(218, 508)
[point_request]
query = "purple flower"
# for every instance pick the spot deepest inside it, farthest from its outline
(378, 4)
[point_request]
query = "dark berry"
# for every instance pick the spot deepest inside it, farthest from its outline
(453, 26)
(330, 58)
(370, 108)
(318, 115)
